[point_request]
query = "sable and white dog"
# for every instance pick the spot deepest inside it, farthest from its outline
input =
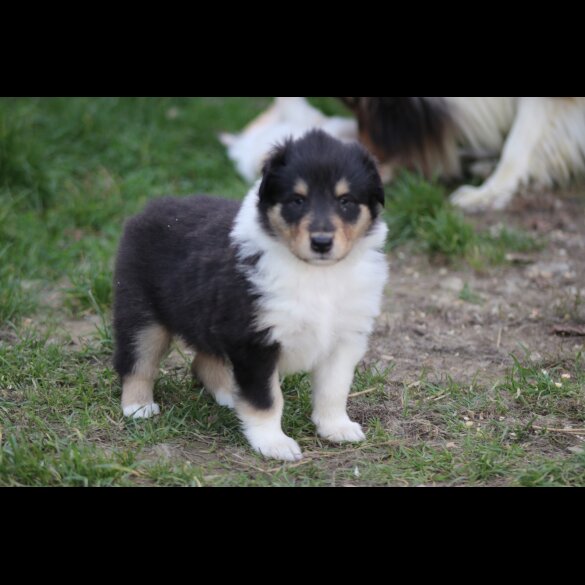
(540, 140)
(290, 280)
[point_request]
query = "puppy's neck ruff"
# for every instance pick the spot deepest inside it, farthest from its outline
(309, 309)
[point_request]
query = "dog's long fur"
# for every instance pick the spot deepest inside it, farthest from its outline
(289, 280)
(541, 140)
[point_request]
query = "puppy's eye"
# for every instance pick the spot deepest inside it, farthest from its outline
(345, 203)
(297, 201)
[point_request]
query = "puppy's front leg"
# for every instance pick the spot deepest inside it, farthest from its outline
(259, 403)
(332, 380)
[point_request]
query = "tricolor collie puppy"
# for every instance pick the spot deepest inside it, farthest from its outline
(540, 141)
(289, 280)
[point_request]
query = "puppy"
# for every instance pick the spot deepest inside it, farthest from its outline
(540, 140)
(290, 280)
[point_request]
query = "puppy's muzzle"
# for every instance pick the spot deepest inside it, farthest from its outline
(322, 243)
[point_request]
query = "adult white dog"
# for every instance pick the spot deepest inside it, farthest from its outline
(540, 141)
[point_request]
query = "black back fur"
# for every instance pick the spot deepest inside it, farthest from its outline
(176, 267)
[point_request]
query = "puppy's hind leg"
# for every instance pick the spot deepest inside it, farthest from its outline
(217, 377)
(137, 361)
(259, 403)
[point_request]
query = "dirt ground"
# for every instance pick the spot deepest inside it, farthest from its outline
(516, 307)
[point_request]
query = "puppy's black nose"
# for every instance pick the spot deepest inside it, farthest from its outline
(321, 244)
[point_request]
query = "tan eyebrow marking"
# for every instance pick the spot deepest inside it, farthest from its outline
(301, 188)
(341, 188)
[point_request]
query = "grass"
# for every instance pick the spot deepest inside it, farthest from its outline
(60, 424)
(553, 388)
(71, 171)
(418, 211)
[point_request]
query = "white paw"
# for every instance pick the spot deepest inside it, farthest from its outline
(275, 445)
(469, 198)
(476, 199)
(340, 431)
(224, 398)
(141, 410)
(284, 449)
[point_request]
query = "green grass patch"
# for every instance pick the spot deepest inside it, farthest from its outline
(567, 472)
(15, 299)
(27, 459)
(549, 388)
(91, 288)
(61, 424)
(418, 211)
(23, 165)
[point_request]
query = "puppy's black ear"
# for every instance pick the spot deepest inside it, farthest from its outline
(378, 196)
(272, 171)
(375, 185)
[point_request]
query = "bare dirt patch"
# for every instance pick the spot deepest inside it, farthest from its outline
(518, 308)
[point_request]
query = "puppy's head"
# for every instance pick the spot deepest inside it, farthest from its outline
(319, 196)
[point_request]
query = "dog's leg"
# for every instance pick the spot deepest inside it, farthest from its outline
(331, 381)
(259, 404)
(148, 347)
(217, 377)
(515, 168)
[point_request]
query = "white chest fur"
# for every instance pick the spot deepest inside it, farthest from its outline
(309, 309)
